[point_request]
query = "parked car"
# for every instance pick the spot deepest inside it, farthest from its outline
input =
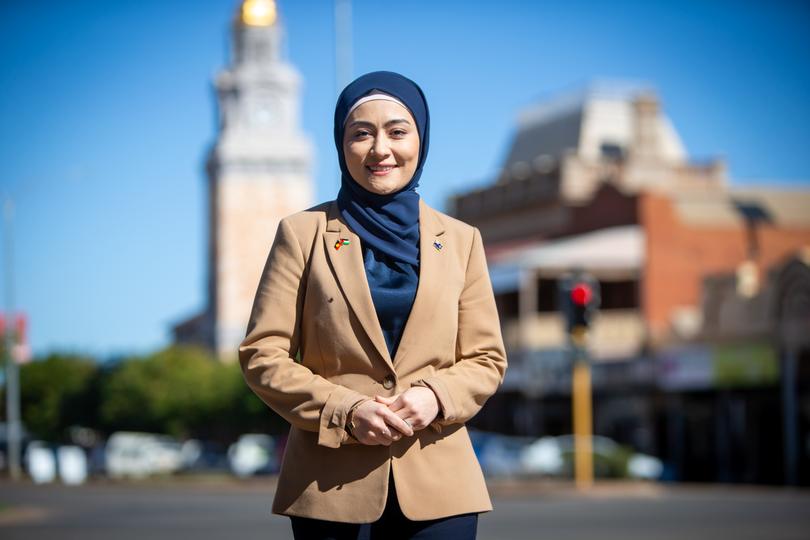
(554, 456)
(71, 462)
(40, 462)
(200, 456)
(499, 455)
(252, 454)
(505, 455)
(134, 454)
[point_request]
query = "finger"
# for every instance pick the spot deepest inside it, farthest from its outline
(397, 404)
(386, 432)
(397, 423)
(394, 402)
(386, 400)
(391, 436)
(413, 422)
(382, 438)
(371, 439)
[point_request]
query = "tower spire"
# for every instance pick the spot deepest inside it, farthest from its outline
(258, 12)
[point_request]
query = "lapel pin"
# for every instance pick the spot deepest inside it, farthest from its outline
(342, 242)
(437, 245)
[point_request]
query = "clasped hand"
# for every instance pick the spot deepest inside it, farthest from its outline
(383, 420)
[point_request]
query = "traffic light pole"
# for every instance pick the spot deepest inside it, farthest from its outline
(582, 407)
(579, 298)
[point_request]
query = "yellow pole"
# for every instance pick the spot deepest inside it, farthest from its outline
(583, 421)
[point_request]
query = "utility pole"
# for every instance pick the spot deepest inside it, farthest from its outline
(343, 43)
(13, 431)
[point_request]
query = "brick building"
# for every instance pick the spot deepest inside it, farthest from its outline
(599, 181)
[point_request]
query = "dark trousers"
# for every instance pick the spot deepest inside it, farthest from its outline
(392, 525)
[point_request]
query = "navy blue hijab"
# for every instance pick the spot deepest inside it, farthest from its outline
(388, 223)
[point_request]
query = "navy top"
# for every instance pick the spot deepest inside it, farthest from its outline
(393, 289)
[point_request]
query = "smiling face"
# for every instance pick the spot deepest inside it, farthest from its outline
(381, 146)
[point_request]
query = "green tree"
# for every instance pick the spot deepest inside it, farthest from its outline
(163, 392)
(182, 391)
(185, 392)
(56, 392)
(246, 413)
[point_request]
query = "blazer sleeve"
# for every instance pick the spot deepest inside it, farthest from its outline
(463, 388)
(267, 353)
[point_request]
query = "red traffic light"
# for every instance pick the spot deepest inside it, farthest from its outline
(581, 294)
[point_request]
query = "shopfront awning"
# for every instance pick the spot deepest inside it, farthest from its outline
(606, 250)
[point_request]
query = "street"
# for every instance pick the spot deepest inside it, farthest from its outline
(223, 508)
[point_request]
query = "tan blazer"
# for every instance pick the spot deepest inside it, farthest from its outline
(313, 299)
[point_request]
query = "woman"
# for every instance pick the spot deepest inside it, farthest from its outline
(387, 307)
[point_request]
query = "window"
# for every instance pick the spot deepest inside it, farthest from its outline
(619, 294)
(547, 295)
(507, 304)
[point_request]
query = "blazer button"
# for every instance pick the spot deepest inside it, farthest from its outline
(388, 382)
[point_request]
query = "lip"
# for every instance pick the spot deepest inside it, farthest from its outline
(381, 173)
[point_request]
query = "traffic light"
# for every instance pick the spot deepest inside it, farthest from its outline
(15, 325)
(579, 299)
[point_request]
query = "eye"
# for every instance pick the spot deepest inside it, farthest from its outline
(359, 134)
(399, 132)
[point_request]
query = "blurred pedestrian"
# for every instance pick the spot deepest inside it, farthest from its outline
(375, 319)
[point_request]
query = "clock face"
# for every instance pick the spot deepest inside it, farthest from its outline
(264, 111)
(264, 115)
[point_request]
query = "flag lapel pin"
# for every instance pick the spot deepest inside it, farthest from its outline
(342, 242)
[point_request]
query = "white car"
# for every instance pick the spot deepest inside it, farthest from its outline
(547, 456)
(40, 462)
(137, 455)
(251, 454)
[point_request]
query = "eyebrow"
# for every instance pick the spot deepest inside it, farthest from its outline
(390, 122)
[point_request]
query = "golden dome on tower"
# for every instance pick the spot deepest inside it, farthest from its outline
(259, 12)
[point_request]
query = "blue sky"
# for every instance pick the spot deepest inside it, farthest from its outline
(107, 112)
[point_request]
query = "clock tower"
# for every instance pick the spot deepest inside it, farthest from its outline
(259, 170)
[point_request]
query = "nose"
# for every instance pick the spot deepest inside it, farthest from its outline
(380, 147)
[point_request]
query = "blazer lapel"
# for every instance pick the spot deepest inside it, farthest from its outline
(347, 263)
(432, 262)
